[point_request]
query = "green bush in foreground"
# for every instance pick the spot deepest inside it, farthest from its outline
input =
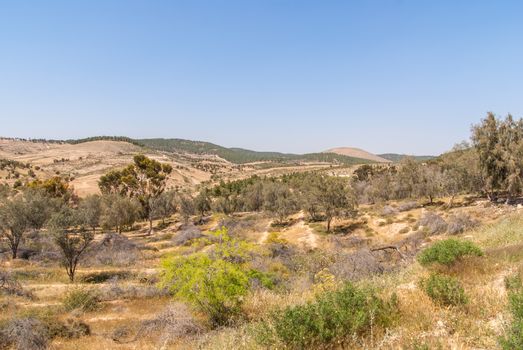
(514, 338)
(216, 287)
(444, 290)
(330, 319)
(81, 299)
(447, 252)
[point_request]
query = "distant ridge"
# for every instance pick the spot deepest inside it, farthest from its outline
(394, 157)
(357, 153)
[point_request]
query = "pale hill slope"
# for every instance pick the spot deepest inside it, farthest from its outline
(357, 153)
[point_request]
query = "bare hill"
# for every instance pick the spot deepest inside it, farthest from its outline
(357, 153)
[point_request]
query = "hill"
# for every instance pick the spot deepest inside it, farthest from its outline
(395, 157)
(242, 156)
(357, 153)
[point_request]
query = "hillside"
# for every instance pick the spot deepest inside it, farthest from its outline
(243, 156)
(395, 157)
(357, 153)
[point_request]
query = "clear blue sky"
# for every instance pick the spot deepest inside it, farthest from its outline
(293, 76)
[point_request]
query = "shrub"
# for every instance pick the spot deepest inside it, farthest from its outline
(407, 206)
(114, 250)
(24, 333)
(433, 223)
(444, 290)
(460, 222)
(169, 325)
(216, 287)
(104, 276)
(332, 318)
(71, 328)
(10, 286)
(447, 252)
(187, 234)
(514, 337)
(81, 299)
(389, 211)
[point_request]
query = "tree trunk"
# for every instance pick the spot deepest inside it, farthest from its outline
(150, 225)
(329, 224)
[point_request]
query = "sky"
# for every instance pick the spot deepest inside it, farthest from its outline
(271, 75)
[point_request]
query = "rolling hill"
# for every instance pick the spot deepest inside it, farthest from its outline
(357, 153)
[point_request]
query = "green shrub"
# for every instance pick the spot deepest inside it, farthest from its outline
(444, 290)
(447, 252)
(81, 299)
(216, 287)
(514, 337)
(332, 318)
(104, 276)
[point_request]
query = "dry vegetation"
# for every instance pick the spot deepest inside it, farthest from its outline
(408, 256)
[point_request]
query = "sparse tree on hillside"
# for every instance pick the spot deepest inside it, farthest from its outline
(186, 207)
(90, 211)
(144, 180)
(119, 212)
(164, 205)
(202, 203)
(253, 196)
(72, 239)
(279, 201)
(13, 222)
(336, 199)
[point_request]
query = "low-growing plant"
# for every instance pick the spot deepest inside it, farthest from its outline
(514, 337)
(81, 299)
(24, 333)
(448, 252)
(333, 318)
(444, 290)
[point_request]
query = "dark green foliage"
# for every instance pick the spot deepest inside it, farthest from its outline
(332, 318)
(448, 252)
(396, 158)
(241, 156)
(444, 290)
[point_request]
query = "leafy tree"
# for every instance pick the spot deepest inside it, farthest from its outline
(14, 222)
(279, 200)
(186, 207)
(55, 187)
(336, 199)
(202, 203)
(72, 240)
(119, 212)
(145, 180)
(90, 211)
(253, 196)
(164, 205)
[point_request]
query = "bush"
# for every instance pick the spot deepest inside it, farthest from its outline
(444, 290)
(433, 223)
(23, 334)
(114, 250)
(71, 328)
(407, 206)
(329, 320)
(460, 222)
(81, 299)
(10, 286)
(104, 276)
(447, 252)
(514, 337)
(389, 211)
(216, 287)
(171, 324)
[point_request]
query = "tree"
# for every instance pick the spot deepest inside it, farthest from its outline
(336, 199)
(186, 207)
(13, 222)
(486, 140)
(71, 239)
(164, 205)
(202, 203)
(145, 180)
(253, 196)
(90, 211)
(119, 212)
(279, 201)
